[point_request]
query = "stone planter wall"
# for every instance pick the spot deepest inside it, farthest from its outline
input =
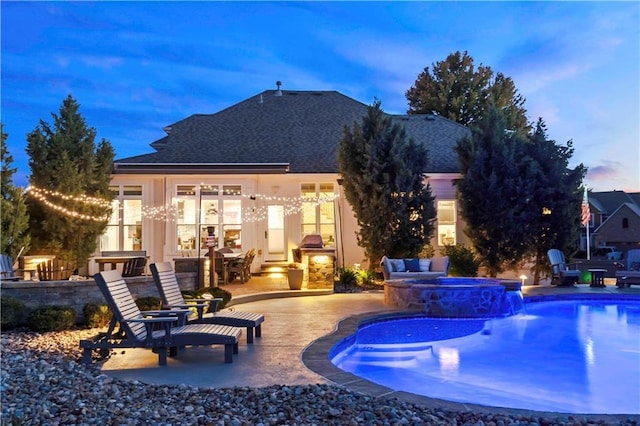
(77, 294)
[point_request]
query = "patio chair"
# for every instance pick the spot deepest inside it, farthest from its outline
(631, 273)
(167, 283)
(562, 274)
(139, 328)
(6, 269)
(55, 270)
(134, 267)
(242, 267)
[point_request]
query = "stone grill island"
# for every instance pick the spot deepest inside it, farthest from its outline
(456, 297)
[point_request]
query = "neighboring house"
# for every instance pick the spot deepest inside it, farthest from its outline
(615, 220)
(263, 173)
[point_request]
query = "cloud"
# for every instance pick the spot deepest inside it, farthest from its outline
(610, 174)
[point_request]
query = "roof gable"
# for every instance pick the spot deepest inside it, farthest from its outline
(299, 128)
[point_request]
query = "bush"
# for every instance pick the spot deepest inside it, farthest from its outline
(149, 303)
(347, 276)
(13, 313)
(463, 262)
(52, 318)
(208, 292)
(96, 315)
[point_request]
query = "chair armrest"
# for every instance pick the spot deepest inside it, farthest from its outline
(213, 303)
(180, 314)
(573, 265)
(150, 322)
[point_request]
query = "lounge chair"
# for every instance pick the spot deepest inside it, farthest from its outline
(165, 279)
(6, 269)
(631, 273)
(562, 274)
(55, 270)
(140, 328)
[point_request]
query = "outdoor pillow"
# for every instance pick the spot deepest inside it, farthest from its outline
(412, 265)
(440, 264)
(635, 266)
(398, 265)
(425, 265)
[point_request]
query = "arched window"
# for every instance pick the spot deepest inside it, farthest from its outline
(625, 222)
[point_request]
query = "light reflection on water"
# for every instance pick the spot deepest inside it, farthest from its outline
(575, 356)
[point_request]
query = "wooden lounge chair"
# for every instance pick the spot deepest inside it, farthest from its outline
(139, 328)
(562, 273)
(6, 269)
(165, 279)
(631, 273)
(55, 270)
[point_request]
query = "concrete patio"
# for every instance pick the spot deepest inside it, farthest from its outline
(296, 336)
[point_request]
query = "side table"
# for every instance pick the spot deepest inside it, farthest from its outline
(597, 277)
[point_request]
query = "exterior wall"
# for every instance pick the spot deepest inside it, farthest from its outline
(611, 231)
(158, 232)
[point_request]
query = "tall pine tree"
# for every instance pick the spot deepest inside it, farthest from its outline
(14, 228)
(494, 192)
(557, 197)
(67, 167)
(384, 182)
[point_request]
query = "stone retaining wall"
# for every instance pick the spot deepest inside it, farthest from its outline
(77, 294)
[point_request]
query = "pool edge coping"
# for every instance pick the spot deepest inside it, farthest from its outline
(315, 357)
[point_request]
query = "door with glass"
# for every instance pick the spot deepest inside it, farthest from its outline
(276, 243)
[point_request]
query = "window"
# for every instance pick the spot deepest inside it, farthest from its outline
(199, 207)
(625, 222)
(318, 213)
(446, 223)
(124, 230)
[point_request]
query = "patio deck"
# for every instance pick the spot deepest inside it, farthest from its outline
(296, 335)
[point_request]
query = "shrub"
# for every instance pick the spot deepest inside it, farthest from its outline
(347, 276)
(463, 261)
(149, 303)
(13, 313)
(52, 318)
(96, 315)
(367, 278)
(427, 252)
(208, 292)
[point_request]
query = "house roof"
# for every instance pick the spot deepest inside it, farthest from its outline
(634, 208)
(608, 201)
(298, 132)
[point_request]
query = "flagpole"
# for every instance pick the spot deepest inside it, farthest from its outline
(588, 245)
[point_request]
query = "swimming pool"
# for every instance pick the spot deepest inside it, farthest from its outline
(570, 356)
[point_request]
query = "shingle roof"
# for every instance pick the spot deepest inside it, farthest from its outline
(302, 128)
(610, 201)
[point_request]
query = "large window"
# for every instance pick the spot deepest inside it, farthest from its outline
(318, 214)
(124, 230)
(203, 207)
(446, 222)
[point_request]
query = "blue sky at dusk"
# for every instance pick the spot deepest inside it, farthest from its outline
(136, 67)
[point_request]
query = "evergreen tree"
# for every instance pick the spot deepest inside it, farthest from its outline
(383, 180)
(557, 197)
(14, 235)
(71, 172)
(494, 192)
(455, 89)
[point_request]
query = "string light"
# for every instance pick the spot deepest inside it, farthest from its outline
(41, 195)
(291, 205)
(84, 199)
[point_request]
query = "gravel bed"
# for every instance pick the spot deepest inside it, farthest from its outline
(43, 383)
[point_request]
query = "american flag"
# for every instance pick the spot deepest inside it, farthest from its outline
(586, 212)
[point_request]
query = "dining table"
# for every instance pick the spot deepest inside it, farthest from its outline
(113, 260)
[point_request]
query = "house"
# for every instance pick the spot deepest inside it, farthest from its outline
(262, 174)
(615, 219)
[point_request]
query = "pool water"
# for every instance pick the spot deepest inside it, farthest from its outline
(574, 356)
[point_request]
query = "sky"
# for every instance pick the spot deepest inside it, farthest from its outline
(136, 67)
